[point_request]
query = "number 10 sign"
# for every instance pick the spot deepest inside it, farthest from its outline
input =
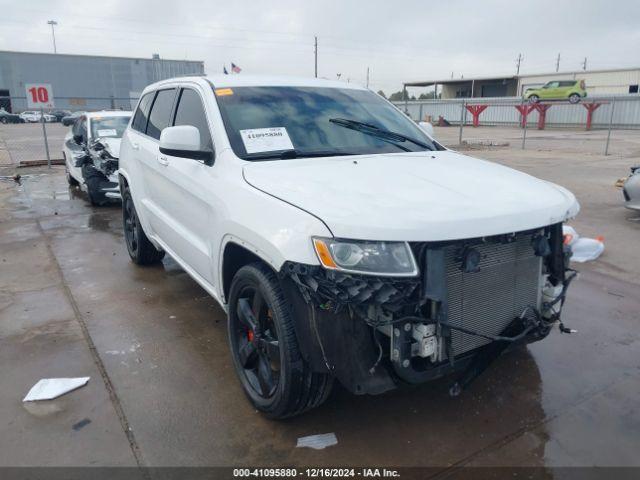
(39, 95)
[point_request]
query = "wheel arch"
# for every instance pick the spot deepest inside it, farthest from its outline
(235, 254)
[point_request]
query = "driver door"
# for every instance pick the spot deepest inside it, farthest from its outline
(550, 90)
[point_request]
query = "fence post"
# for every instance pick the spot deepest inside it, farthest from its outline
(524, 131)
(606, 148)
(462, 110)
(44, 133)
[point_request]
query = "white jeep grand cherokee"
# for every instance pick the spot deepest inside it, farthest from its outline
(342, 241)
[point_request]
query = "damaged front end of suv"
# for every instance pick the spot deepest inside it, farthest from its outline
(451, 306)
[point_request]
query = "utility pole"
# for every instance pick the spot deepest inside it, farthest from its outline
(315, 54)
(584, 64)
(367, 77)
(518, 62)
(53, 23)
(558, 63)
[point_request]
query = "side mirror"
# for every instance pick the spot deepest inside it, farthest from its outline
(427, 127)
(78, 139)
(184, 141)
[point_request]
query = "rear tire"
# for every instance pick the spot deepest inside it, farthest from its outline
(265, 351)
(534, 99)
(140, 248)
(574, 98)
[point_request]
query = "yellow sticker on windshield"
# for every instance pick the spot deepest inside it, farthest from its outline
(221, 92)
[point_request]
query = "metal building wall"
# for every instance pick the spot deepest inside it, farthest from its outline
(82, 82)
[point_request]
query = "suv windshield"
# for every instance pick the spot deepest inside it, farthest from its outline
(109, 126)
(296, 122)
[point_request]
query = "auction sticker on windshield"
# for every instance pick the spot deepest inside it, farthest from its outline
(266, 139)
(107, 132)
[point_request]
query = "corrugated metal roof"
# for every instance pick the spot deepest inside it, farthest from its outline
(15, 52)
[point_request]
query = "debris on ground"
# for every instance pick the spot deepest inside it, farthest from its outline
(318, 442)
(50, 388)
(584, 249)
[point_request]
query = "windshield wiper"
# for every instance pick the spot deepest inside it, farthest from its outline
(294, 153)
(378, 132)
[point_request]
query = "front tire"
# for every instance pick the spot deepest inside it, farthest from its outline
(265, 351)
(140, 248)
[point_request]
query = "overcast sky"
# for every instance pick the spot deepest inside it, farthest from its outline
(399, 41)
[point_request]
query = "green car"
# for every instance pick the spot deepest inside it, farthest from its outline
(572, 90)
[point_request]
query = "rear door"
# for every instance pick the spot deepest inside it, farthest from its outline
(149, 164)
(183, 192)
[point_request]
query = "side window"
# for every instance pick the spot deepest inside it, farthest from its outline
(190, 111)
(160, 115)
(142, 113)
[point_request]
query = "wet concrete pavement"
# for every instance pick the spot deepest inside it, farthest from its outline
(163, 390)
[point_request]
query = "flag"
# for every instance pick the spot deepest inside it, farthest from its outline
(235, 68)
(224, 70)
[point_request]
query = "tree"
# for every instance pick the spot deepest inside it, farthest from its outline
(397, 96)
(427, 95)
(381, 93)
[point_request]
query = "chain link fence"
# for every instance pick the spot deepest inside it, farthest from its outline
(34, 137)
(516, 121)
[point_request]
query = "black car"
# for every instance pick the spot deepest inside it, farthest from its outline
(60, 114)
(6, 117)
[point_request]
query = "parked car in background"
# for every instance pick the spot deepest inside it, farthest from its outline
(340, 238)
(6, 117)
(572, 90)
(631, 189)
(91, 150)
(34, 116)
(71, 118)
(60, 114)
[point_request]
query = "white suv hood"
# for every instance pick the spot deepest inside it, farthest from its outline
(425, 196)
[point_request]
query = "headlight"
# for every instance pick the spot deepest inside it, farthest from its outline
(369, 258)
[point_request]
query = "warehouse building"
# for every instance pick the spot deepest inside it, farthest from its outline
(598, 82)
(83, 82)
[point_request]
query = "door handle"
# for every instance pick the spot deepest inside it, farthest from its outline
(162, 160)
(135, 146)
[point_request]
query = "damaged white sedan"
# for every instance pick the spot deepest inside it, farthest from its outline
(342, 240)
(91, 151)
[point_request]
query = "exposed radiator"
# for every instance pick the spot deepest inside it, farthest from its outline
(488, 300)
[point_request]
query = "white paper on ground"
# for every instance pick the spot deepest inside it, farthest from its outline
(318, 442)
(257, 140)
(50, 388)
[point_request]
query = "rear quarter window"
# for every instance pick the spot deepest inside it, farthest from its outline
(142, 113)
(160, 115)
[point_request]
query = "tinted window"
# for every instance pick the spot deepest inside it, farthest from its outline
(142, 113)
(190, 111)
(160, 113)
(305, 114)
(567, 83)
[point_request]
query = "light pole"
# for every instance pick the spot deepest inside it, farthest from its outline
(53, 23)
